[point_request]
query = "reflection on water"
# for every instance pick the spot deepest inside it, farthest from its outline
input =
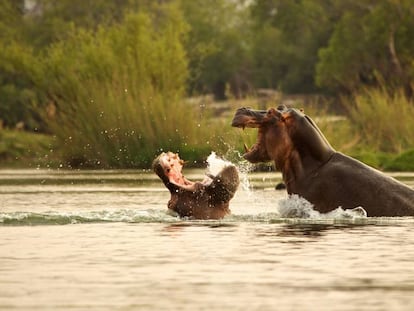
(299, 230)
(95, 240)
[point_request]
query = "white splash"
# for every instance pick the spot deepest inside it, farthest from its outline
(297, 207)
(245, 168)
(216, 164)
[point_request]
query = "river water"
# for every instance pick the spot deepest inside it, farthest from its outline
(102, 240)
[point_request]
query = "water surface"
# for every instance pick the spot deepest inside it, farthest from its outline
(102, 240)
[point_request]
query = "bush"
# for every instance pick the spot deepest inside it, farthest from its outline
(23, 148)
(402, 162)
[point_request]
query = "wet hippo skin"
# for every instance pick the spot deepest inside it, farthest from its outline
(207, 199)
(312, 169)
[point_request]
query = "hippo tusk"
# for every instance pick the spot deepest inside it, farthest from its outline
(246, 149)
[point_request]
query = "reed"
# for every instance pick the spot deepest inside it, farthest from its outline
(117, 128)
(383, 119)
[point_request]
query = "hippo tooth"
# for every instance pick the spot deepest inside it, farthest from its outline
(246, 149)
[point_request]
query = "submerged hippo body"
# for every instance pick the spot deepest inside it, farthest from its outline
(208, 199)
(312, 169)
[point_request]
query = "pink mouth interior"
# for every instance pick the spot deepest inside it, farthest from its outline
(173, 165)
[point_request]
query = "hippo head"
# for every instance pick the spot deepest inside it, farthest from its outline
(168, 167)
(206, 199)
(282, 133)
(270, 129)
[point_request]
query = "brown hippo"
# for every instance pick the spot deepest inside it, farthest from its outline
(208, 199)
(312, 169)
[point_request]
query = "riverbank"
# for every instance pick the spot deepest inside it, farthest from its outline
(20, 149)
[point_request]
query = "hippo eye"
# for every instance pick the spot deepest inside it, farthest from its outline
(168, 170)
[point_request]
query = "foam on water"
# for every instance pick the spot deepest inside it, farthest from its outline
(79, 217)
(296, 213)
(297, 207)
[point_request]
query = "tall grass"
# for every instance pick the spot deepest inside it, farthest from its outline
(119, 93)
(383, 119)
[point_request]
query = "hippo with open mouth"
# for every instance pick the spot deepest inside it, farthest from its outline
(312, 169)
(206, 199)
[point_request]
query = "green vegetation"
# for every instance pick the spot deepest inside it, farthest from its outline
(402, 162)
(24, 149)
(121, 103)
(371, 44)
(108, 80)
(383, 119)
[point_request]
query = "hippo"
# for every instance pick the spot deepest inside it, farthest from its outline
(206, 199)
(312, 169)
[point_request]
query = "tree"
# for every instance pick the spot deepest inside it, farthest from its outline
(52, 19)
(372, 44)
(288, 35)
(25, 35)
(218, 46)
(17, 67)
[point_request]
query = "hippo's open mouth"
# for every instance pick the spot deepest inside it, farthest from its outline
(168, 166)
(245, 117)
(173, 166)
